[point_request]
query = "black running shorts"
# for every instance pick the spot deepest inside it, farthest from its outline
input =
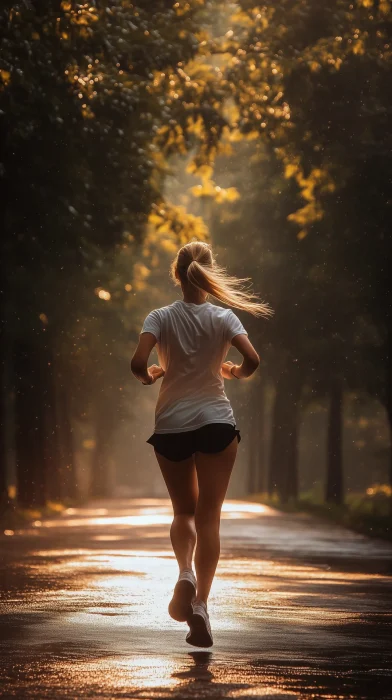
(210, 438)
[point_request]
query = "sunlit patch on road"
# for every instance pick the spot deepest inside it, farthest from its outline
(157, 513)
(87, 608)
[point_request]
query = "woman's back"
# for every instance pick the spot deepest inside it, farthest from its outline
(192, 343)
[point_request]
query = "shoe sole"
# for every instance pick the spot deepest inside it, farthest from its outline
(198, 635)
(180, 606)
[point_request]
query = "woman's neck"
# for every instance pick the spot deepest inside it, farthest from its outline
(194, 296)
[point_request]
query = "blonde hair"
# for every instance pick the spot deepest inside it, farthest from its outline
(195, 264)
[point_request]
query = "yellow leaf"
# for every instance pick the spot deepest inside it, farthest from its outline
(139, 285)
(359, 48)
(5, 76)
(290, 170)
(141, 271)
(252, 135)
(236, 136)
(308, 214)
(205, 172)
(164, 227)
(169, 246)
(232, 194)
(155, 219)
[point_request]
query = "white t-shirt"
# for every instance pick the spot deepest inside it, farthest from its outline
(192, 343)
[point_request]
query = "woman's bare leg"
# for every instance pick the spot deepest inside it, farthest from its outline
(181, 482)
(213, 474)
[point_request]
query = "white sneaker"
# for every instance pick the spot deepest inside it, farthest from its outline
(199, 634)
(180, 606)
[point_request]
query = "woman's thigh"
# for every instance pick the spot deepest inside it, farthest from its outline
(213, 475)
(181, 481)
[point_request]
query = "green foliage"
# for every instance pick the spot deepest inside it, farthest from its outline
(356, 514)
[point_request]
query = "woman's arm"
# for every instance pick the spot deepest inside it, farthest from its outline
(140, 359)
(250, 362)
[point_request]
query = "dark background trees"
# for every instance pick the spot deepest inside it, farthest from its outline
(87, 117)
(113, 117)
(318, 93)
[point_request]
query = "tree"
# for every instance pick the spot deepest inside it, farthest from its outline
(89, 108)
(315, 83)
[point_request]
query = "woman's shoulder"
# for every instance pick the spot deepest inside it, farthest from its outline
(167, 308)
(161, 309)
(178, 305)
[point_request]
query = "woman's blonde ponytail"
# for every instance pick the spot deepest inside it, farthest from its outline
(194, 263)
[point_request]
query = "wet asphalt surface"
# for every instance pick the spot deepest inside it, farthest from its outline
(299, 609)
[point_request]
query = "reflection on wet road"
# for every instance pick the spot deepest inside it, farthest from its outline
(299, 609)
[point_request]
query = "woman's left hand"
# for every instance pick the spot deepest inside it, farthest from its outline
(226, 370)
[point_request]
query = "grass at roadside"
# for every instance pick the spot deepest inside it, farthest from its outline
(368, 513)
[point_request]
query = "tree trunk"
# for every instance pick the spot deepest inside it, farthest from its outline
(3, 438)
(292, 456)
(275, 462)
(101, 472)
(283, 464)
(390, 463)
(29, 425)
(52, 435)
(256, 436)
(3, 339)
(67, 451)
(388, 379)
(334, 485)
(253, 456)
(257, 451)
(3, 421)
(44, 454)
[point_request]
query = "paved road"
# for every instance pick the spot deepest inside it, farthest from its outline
(299, 609)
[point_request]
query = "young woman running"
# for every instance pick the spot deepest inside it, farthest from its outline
(195, 438)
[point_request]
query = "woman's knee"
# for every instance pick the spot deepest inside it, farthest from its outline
(184, 512)
(208, 518)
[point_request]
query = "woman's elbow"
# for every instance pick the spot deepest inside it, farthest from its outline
(254, 362)
(137, 367)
